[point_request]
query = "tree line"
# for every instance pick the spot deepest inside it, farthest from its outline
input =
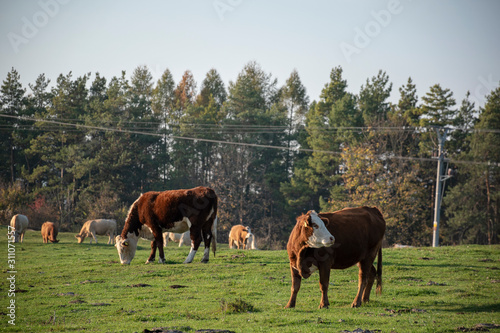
(87, 147)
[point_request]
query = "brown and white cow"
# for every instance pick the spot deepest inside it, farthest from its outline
(18, 225)
(100, 227)
(49, 232)
(358, 234)
(182, 239)
(175, 211)
(241, 236)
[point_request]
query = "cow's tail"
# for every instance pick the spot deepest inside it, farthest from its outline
(379, 272)
(214, 227)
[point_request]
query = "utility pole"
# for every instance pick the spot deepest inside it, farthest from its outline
(439, 193)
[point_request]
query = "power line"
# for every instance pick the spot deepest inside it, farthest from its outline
(255, 145)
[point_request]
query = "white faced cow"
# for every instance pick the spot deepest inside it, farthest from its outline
(357, 233)
(174, 211)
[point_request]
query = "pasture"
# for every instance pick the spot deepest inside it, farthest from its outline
(68, 287)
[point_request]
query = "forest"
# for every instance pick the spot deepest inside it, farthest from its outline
(87, 147)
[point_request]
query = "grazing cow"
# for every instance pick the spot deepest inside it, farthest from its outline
(18, 225)
(101, 227)
(182, 239)
(174, 211)
(241, 236)
(357, 234)
(49, 232)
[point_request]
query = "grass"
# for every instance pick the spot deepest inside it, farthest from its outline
(69, 287)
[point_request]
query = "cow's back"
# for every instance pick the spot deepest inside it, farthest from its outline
(103, 226)
(238, 232)
(357, 231)
(166, 208)
(19, 222)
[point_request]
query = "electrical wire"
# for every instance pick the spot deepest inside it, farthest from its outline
(197, 139)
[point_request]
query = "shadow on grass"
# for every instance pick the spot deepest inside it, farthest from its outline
(493, 308)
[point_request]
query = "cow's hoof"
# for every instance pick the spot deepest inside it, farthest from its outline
(323, 306)
(205, 261)
(355, 305)
(161, 261)
(187, 262)
(150, 261)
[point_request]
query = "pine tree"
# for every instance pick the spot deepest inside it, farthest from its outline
(472, 206)
(12, 103)
(373, 99)
(437, 109)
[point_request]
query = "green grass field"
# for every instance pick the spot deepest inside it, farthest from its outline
(68, 287)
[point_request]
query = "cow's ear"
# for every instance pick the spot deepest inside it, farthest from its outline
(325, 220)
(307, 220)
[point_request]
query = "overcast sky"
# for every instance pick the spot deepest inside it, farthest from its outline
(455, 43)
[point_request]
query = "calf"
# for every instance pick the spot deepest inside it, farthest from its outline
(49, 232)
(357, 233)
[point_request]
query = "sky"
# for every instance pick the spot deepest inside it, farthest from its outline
(455, 43)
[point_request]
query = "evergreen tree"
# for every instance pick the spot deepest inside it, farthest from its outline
(12, 103)
(212, 88)
(294, 99)
(473, 204)
(373, 99)
(437, 109)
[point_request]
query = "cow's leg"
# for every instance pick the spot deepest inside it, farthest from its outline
(324, 280)
(152, 255)
(207, 239)
(364, 275)
(157, 233)
(93, 236)
(296, 280)
(369, 284)
(195, 244)
(22, 237)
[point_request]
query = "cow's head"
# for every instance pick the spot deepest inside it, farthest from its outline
(80, 237)
(314, 228)
(126, 247)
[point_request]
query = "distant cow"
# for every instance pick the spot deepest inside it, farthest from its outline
(241, 236)
(18, 225)
(174, 211)
(357, 233)
(49, 232)
(182, 239)
(100, 227)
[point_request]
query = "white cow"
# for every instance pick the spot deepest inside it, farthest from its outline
(18, 225)
(92, 228)
(250, 243)
(182, 239)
